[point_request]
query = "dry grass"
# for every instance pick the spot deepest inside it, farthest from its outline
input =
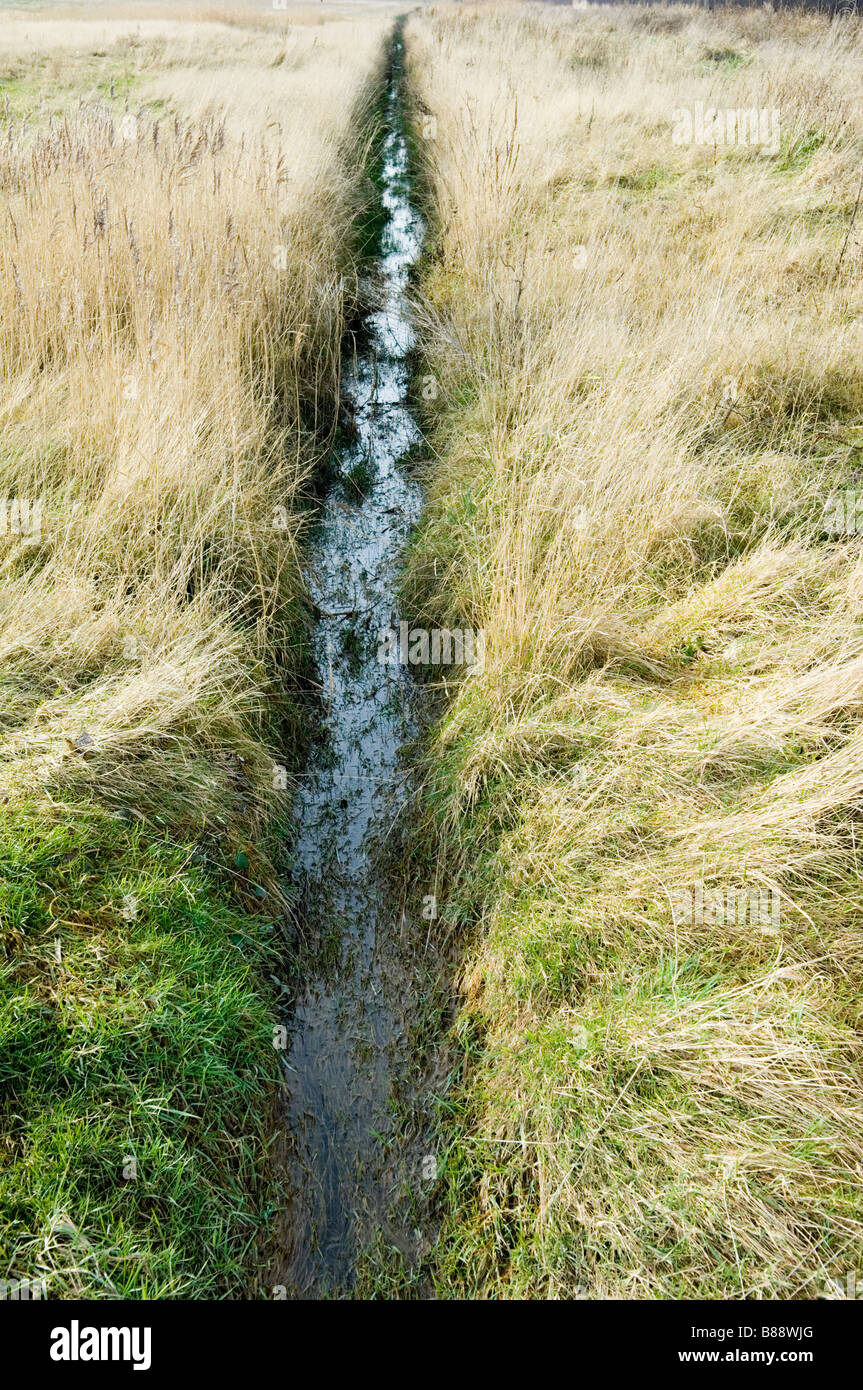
(649, 364)
(178, 252)
(172, 305)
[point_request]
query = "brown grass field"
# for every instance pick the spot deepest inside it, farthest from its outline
(648, 361)
(645, 445)
(177, 264)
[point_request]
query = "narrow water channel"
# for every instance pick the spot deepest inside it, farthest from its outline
(348, 1028)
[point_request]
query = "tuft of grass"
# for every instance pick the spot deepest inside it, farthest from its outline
(726, 58)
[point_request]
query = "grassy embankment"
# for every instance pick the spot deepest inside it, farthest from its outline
(649, 359)
(171, 308)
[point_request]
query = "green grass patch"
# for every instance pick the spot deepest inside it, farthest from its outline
(46, 87)
(136, 1062)
(725, 59)
(796, 151)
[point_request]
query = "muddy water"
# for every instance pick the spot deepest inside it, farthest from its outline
(347, 1030)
